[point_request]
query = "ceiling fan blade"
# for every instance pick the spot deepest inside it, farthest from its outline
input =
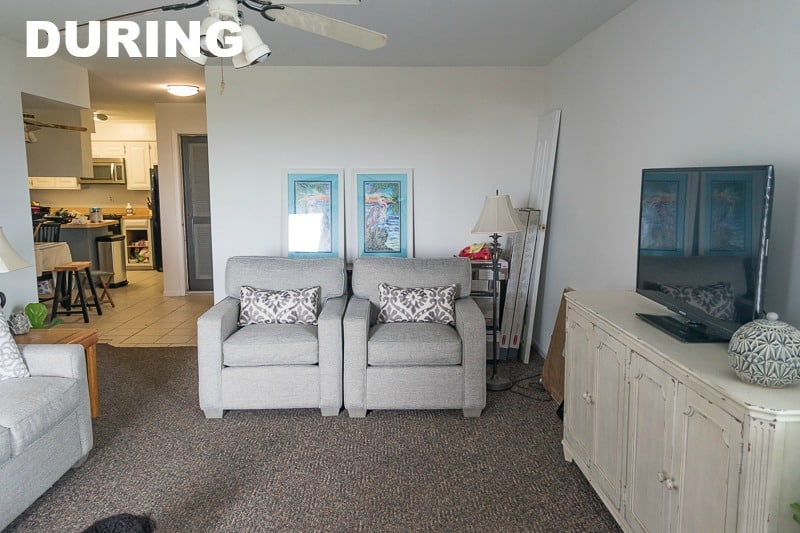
(39, 124)
(171, 7)
(329, 27)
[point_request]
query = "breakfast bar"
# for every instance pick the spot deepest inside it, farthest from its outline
(82, 239)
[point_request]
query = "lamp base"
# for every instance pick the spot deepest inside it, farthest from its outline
(498, 383)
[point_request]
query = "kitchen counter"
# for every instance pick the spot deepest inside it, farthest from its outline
(89, 225)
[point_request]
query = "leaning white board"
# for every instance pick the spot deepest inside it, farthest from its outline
(541, 185)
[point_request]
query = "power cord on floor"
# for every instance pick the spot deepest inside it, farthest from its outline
(522, 385)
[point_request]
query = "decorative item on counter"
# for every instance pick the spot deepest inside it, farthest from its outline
(766, 352)
(19, 323)
(128, 209)
(95, 214)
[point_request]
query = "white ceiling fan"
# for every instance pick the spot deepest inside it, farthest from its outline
(254, 50)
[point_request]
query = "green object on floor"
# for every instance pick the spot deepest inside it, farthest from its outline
(796, 508)
(36, 312)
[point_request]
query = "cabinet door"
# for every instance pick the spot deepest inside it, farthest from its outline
(706, 466)
(650, 436)
(607, 398)
(153, 154)
(108, 149)
(579, 369)
(137, 166)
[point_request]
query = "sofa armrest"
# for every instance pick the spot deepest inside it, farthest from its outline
(213, 327)
(356, 332)
(471, 327)
(329, 331)
(57, 360)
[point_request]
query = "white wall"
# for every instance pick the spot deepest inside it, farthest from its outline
(49, 78)
(464, 131)
(173, 120)
(678, 83)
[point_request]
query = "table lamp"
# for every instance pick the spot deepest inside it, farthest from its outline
(498, 216)
(9, 260)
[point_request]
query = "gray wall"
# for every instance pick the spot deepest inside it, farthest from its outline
(665, 84)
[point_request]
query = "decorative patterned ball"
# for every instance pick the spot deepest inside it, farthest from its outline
(766, 352)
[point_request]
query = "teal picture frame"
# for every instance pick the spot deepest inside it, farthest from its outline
(384, 212)
(314, 213)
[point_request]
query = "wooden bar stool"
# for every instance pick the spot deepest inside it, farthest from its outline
(63, 295)
(104, 279)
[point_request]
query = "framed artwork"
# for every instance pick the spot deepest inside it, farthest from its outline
(727, 216)
(382, 213)
(661, 230)
(314, 213)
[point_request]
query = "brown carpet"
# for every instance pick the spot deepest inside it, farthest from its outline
(293, 470)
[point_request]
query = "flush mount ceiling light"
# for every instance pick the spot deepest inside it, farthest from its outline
(183, 90)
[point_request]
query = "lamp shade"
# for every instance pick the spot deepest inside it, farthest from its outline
(498, 216)
(9, 258)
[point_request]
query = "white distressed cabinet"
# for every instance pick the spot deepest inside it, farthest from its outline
(666, 433)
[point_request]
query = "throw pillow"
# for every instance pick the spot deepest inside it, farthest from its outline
(291, 306)
(12, 365)
(418, 304)
(717, 299)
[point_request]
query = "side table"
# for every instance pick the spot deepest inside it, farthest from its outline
(86, 337)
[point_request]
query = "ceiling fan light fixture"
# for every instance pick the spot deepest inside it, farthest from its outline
(204, 27)
(253, 47)
(183, 90)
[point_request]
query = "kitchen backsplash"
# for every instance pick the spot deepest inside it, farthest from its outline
(108, 196)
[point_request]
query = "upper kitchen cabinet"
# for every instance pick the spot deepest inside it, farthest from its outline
(139, 156)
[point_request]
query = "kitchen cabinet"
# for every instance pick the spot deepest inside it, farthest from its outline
(667, 435)
(138, 236)
(65, 183)
(139, 156)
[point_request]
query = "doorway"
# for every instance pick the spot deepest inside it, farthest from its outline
(197, 212)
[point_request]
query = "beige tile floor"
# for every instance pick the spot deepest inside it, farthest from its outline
(143, 316)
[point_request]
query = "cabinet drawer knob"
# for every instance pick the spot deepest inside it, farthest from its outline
(670, 484)
(660, 476)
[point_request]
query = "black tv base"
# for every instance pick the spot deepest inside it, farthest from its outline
(681, 330)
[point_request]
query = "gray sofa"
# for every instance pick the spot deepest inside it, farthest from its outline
(45, 425)
(273, 366)
(413, 365)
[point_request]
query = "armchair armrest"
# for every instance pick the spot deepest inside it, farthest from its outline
(471, 327)
(57, 360)
(329, 336)
(356, 331)
(213, 327)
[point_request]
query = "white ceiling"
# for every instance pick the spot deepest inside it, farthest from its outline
(420, 33)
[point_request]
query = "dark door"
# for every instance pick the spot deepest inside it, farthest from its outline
(197, 210)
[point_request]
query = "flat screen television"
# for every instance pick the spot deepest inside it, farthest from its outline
(703, 244)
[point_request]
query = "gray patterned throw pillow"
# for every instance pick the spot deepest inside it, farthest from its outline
(715, 299)
(12, 365)
(419, 304)
(291, 306)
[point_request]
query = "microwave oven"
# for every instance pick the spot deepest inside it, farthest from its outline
(106, 170)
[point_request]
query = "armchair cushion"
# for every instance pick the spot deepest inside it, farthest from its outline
(271, 344)
(405, 343)
(286, 306)
(12, 365)
(417, 304)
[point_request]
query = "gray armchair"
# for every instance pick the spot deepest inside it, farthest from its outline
(413, 365)
(273, 366)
